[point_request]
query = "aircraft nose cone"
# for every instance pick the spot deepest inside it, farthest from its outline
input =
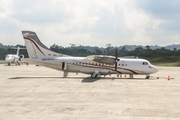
(156, 69)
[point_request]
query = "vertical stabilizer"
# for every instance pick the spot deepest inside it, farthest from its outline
(17, 51)
(35, 48)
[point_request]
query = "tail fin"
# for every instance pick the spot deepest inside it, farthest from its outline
(18, 48)
(17, 51)
(34, 46)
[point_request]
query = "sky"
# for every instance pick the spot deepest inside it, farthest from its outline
(91, 22)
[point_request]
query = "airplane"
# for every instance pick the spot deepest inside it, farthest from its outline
(94, 65)
(12, 58)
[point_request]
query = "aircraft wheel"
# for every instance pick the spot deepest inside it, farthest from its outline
(94, 76)
(147, 77)
(8, 64)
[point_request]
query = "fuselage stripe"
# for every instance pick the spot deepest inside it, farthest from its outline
(98, 67)
(113, 67)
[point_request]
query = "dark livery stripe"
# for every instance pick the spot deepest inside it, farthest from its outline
(34, 44)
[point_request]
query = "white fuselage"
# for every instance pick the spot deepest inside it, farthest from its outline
(10, 58)
(83, 65)
(95, 65)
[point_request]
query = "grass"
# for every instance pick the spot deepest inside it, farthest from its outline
(167, 64)
(2, 61)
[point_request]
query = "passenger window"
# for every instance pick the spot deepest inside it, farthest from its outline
(122, 64)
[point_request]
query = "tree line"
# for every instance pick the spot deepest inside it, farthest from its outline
(153, 55)
(12, 50)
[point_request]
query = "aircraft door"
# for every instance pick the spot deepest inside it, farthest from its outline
(64, 66)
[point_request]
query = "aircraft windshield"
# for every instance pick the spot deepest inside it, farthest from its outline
(145, 63)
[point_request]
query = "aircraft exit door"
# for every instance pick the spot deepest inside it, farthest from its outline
(64, 66)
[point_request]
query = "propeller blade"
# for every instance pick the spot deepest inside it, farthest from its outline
(116, 53)
(116, 66)
(116, 59)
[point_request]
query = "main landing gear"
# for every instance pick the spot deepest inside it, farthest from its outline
(94, 75)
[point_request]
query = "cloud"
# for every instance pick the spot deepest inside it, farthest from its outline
(139, 24)
(162, 8)
(94, 23)
(168, 11)
(5, 8)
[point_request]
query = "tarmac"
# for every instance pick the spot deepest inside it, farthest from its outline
(40, 93)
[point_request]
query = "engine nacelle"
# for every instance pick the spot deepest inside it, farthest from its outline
(21, 57)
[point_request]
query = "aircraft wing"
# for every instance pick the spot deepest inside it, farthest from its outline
(102, 59)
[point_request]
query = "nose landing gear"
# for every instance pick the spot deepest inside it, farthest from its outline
(147, 76)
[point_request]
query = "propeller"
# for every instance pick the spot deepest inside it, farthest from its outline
(21, 57)
(116, 58)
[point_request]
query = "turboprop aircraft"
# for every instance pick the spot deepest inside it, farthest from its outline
(12, 58)
(95, 65)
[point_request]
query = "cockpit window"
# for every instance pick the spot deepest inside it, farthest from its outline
(145, 63)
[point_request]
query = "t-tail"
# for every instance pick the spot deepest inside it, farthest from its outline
(18, 49)
(35, 48)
